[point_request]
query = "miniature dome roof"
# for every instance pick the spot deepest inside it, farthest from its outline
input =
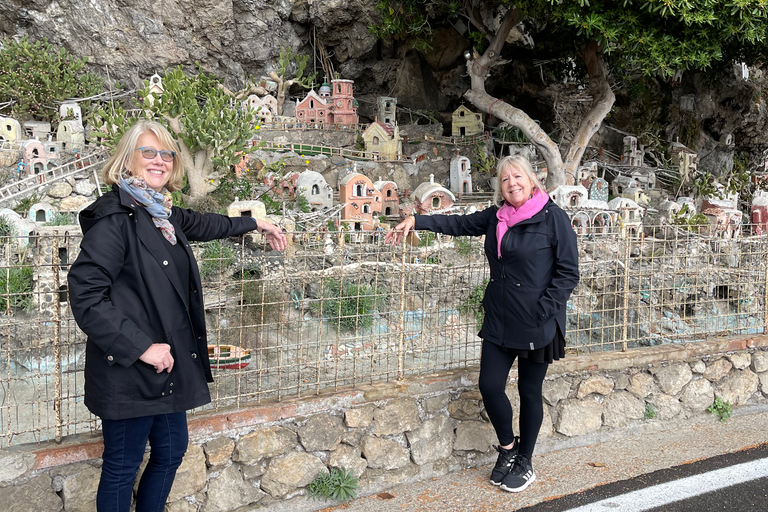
(325, 88)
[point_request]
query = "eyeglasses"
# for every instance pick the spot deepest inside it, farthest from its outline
(149, 153)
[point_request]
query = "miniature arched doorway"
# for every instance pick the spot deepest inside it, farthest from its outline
(435, 202)
(315, 189)
(573, 200)
(389, 192)
(286, 191)
(40, 215)
(465, 188)
(63, 293)
(359, 190)
(366, 208)
(388, 210)
(601, 223)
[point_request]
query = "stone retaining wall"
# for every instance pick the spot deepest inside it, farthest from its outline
(395, 432)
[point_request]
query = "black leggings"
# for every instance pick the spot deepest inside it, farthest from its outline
(495, 364)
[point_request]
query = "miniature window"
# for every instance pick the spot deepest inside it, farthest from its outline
(461, 114)
(315, 190)
(375, 141)
(631, 214)
(389, 193)
(40, 216)
(435, 202)
(311, 103)
(574, 200)
(463, 166)
(63, 293)
(359, 190)
(245, 213)
(366, 208)
(63, 258)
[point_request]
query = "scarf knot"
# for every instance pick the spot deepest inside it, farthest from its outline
(508, 215)
(158, 204)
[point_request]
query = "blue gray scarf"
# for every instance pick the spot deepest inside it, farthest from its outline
(158, 204)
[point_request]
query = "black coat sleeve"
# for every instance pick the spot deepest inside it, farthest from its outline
(203, 227)
(566, 272)
(102, 258)
(474, 224)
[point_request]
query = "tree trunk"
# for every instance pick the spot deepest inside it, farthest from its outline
(194, 165)
(602, 103)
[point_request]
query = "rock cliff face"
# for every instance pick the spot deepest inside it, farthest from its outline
(129, 40)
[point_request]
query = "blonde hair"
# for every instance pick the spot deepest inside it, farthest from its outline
(514, 162)
(117, 166)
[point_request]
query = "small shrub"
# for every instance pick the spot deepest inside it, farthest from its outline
(6, 227)
(23, 206)
(62, 219)
(215, 259)
(426, 238)
(463, 245)
(721, 409)
(262, 304)
(474, 304)
(649, 413)
(338, 484)
(350, 305)
(15, 288)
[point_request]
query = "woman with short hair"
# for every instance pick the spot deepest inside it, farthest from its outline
(135, 291)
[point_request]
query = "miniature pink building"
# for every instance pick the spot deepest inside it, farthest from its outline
(430, 197)
(390, 199)
(335, 104)
(360, 199)
(282, 187)
(36, 157)
(759, 212)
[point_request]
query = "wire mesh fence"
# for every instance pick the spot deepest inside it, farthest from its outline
(342, 309)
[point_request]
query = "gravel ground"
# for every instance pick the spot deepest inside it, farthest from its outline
(567, 466)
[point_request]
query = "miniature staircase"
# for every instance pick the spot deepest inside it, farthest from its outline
(29, 184)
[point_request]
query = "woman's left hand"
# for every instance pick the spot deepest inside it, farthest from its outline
(274, 235)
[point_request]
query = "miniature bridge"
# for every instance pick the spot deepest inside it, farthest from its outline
(315, 149)
(27, 185)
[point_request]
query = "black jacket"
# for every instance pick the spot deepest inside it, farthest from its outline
(530, 285)
(126, 294)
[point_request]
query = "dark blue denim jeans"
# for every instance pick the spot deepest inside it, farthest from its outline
(124, 445)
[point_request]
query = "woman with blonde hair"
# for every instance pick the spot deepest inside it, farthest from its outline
(135, 291)
(533, 258)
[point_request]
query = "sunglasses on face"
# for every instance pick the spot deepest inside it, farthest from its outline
(149, 153)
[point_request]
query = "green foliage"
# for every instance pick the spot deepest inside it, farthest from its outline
(287, 60)
(301, 203)
(485, 164)
(24, 204)
(426, 238)
(649, 413)
(410, 19)
(62, 219)
(15, 288)
(690, 223)
(360, 142)
(273, 206)
(35, 76)
(349, 305)
(231, 186)
(215, 259)
(463, 245)
(338, 484)
(6, 227)
(212, 132)
(474, 304)
(721, 409)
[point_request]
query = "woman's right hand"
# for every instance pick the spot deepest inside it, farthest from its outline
(399, 232)
(159, 356)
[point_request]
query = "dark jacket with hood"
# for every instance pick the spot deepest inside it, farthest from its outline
(530, 284)
(126, 294)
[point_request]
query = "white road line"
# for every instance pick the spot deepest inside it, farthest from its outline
(676, 490)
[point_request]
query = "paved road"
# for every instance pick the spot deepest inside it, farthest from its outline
(568, 466)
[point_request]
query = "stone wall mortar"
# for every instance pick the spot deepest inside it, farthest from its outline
(396, 432)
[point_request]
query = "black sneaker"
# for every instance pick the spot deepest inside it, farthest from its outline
(504, 462)
(521, 475)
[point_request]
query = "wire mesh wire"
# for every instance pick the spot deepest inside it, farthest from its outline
(341, 309)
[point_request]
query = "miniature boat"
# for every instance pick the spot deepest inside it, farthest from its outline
(228, 357)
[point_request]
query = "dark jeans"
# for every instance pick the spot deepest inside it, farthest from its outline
(495, 363)
(124, 445)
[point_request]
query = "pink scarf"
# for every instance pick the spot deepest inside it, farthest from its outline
(508, 215)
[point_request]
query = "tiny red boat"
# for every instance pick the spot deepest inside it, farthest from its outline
(229, 357)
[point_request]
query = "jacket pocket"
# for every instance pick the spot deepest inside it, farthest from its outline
(145, 383)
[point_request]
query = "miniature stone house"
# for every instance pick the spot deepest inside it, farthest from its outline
(586, 174)
(264, 108)
(465, 123)
(622, 183)
(36, 157)
(387, 109)
(40, 130)
(581, 222)
(10, 129)
(41, 212)
(722, 199)
(598, 190)
(569, 196)
(645, 178)
(632, 156)
(313, 187)
(668, 210)
(390, 197)
(461, 175)
(382, 141)
(430, 196)
(360, 199)
(759, 212)
(684, 159)
(70, 135)
(629, 216)
(248, 208)
(21, 227)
